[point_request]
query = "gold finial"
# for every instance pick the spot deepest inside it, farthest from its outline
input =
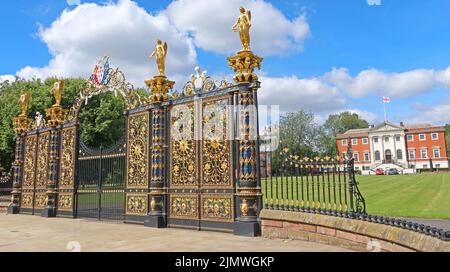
(58, 88)
(160, 53)
(159, 84)
(245, 61)
(24, 101)
(242, 26)
(56, 114)
(22, 122)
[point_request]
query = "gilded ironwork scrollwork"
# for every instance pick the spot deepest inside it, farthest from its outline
(65, 202)
(136, 204)
(216, 155)
(40, 201)
(184, 206)
(29, 165)
(183, 147)
(115, 82)
(42, 160)
(68, 140)
(217, 208)
(138, 137)
(27, 200)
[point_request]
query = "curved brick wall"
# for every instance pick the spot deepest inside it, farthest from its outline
(348, 233)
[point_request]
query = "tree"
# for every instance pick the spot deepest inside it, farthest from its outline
(299, 134)
(102, 119)
(337, 124)
(40, 98)
(341, 122)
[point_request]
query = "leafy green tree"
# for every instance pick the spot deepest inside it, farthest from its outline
(341, 122)
(337, 124)
(102, 120)
(298, 133)
(41, 98)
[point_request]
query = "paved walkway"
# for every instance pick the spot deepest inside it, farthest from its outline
(34, 233)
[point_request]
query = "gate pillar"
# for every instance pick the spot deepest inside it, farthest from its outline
(157, 216)
(56, 116)
(248, 187)
(21, 124)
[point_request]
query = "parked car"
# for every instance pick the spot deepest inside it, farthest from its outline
(392, 171)
(379, 172)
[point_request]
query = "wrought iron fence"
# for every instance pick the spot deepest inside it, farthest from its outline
(319, 185)
(101, 182)
(327, 186)
(5, 187)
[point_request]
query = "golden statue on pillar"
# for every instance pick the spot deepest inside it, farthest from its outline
(56, 114)
(57, 91)
(159, 84)
(22, 122)
(24, 101)
(242, 26)
(160, 53)
(245, 61)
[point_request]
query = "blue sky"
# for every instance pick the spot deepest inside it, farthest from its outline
(344, 55)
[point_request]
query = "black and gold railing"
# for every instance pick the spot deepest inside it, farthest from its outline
(325, 185)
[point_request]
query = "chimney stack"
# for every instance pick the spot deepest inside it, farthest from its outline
(401, 124)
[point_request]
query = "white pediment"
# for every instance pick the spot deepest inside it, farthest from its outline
(386, 126)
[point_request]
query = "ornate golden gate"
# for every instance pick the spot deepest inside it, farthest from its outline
(202, 183)
(191, 158)
(36, 158)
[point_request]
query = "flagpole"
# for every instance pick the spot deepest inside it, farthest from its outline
(384, 108)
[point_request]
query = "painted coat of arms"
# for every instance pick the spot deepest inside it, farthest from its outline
(101, 71)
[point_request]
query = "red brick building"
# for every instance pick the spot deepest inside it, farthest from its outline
(418, 146)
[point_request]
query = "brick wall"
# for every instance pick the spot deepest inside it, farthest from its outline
(347, 233)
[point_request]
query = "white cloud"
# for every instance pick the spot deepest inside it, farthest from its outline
(9, 78)
(374, 2)
(376, 82)
(443, 77)
(436, 114)
(293, 93)
(73, 2)
(370, 117)
(210, 21)
(366, 115)
(124, 31)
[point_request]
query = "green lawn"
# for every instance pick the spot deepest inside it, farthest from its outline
(421, 196)
(107, 199)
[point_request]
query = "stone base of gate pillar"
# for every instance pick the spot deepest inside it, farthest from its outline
(249, 229)
(48, 212)
(13, 209)
(156, 221)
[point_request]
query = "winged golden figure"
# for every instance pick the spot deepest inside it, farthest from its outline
(24, 100)
(160, 53)
(242, 26)
(57, 91)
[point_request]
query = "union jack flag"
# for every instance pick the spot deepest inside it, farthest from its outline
(386, 99)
